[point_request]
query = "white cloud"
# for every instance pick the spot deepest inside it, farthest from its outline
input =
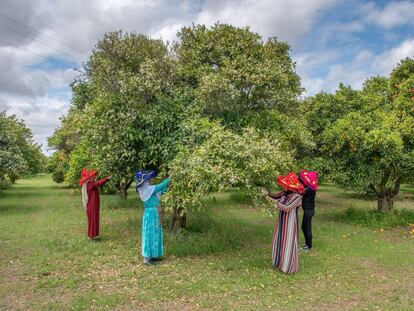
(41, 114)
(384, 62)
(354, 72)
(288, 20)
(395, 13)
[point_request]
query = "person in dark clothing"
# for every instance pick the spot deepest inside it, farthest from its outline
(310, 180)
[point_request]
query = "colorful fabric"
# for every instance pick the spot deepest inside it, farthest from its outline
(291, 182)
(285, 234)
(92, 207)
(86, 175)
(152, 237)
(309, 178)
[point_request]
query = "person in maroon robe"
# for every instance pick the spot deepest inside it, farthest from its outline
(90, 199)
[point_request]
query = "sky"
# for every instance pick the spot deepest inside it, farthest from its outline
(332, 41)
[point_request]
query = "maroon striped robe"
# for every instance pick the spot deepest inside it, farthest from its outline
(285, 235)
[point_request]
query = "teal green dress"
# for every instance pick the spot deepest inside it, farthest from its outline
(151, 229)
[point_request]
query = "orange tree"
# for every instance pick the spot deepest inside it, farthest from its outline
(367, 140)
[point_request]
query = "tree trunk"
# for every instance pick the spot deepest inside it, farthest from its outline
(385, 203)
(123, 191)
(386, 195)
(178, 220)
(123, 188)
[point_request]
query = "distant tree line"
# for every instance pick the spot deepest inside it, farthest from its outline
(19, 154)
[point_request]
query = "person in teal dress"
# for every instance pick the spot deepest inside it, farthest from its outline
(152, 240)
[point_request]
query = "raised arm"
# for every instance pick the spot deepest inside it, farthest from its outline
(100, 182)
(293, 202)
(162, 186)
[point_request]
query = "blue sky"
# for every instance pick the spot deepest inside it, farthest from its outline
(332, 41)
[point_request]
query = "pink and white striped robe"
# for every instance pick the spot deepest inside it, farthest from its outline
(285, 235)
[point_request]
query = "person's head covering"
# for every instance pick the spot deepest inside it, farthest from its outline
(291, 182)
(144, 189)
(143, 176)
(86, 175)
(309, 178)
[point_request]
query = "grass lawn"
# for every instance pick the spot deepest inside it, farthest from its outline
(223, 260)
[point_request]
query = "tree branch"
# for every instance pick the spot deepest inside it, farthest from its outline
(371, 185)
(397, 182)
(384, 180)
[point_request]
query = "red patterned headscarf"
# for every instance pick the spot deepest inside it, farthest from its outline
(291, 182)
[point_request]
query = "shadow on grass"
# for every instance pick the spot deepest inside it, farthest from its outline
(23, 194)
(17, 208)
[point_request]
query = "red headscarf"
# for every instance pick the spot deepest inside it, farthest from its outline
(291, 182)
(86, 174)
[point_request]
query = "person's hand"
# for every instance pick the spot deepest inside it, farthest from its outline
(270, 199)
(109, 177)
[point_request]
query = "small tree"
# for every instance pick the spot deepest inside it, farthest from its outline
(19, 154)
(224, 160)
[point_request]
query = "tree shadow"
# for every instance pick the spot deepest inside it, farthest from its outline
(16, 208)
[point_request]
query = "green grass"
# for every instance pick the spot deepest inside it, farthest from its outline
(221, 262)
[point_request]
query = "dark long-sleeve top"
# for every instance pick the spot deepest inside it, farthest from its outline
(308, 200)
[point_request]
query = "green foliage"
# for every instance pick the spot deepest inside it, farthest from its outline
(395, 218)
(224, 160)
(4, 184)
(58, 165)
(19, 155)
(323, 109)
(80, 158)
(234, 73)
(124, 113)
(67, 137)
(367, 136)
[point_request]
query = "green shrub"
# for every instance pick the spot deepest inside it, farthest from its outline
(376, 219)
(4, 183)
(58, 176)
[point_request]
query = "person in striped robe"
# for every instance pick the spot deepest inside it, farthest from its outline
(285, 234)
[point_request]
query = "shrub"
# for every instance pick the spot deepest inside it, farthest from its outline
(376, 219)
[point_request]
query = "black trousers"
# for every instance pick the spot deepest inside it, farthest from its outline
(307, 225)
